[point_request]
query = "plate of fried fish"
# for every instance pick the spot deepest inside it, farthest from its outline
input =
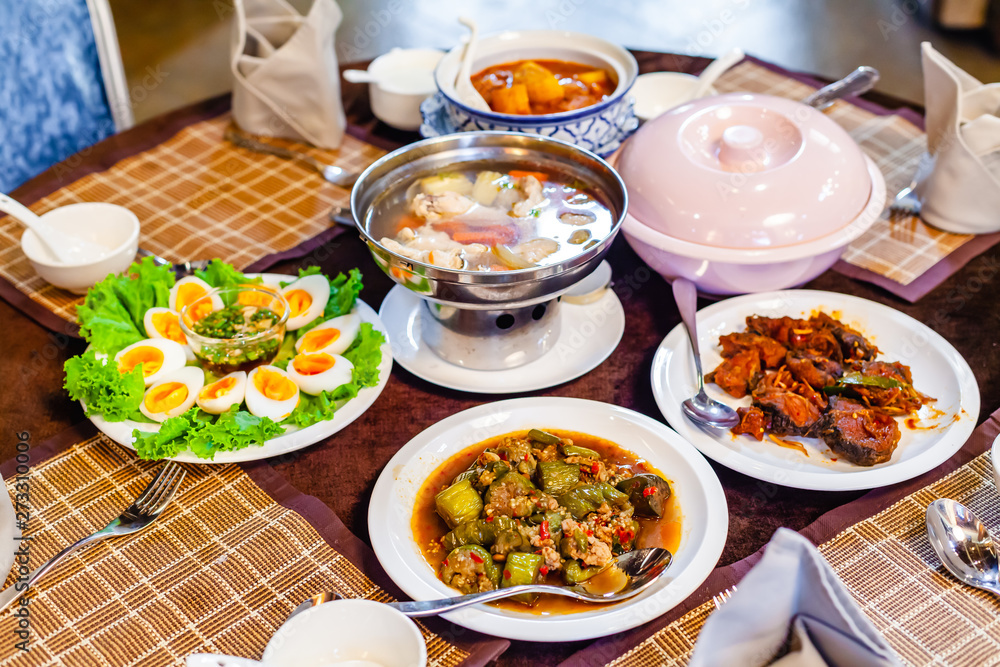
(834, 392)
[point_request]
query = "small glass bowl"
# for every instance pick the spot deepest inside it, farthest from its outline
(221, 356)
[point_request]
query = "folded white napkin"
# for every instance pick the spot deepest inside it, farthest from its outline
(9, 534)
(961, 192)
(791, 610)
(285, 77)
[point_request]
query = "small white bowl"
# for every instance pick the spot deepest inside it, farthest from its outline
(658, 92)
(114, 227)
(994, 455)
(406, 79)
(347, 630)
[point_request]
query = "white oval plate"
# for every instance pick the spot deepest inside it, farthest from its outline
(293, 438)
(588, 335)
(699, 493)
(938, 370)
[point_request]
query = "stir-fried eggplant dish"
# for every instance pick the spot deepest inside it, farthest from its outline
(817, 378)
(541, 507)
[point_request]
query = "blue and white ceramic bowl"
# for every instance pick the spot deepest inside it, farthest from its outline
(599, 128)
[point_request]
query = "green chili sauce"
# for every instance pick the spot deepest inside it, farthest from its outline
(236, 321)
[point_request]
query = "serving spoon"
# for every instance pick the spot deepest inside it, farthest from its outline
(463, 84)
(642, 567)
(715, 69)
(963, 544)
(700, 409)
(67, 248)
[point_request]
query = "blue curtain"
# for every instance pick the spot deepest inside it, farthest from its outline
(52, 99)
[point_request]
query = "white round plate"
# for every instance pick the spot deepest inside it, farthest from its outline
(698, 491)
(293, 438)
(588, 336)
(938, 371)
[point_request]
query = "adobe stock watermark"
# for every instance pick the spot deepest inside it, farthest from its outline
(22, 514)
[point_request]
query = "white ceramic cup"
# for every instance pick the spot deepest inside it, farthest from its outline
(354, 632)
(114, 227)
(994, 456)
(406, 78)
(658, 92)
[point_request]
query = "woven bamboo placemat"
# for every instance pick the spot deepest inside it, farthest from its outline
(890, 569)
(199, 197)
(901, 248)
(219, 572)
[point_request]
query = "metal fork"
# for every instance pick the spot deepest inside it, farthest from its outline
(180, 270)
(140, 514)
(722, 598)
(336, 175)
(906, 201)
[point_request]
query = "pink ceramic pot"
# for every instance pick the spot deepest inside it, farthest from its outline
(746, 193)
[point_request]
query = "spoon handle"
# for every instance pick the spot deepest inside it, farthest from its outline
(857, 82)
(420, 608)
(686, 296)
(45, 233)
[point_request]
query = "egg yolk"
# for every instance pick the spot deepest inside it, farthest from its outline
(166, 396)
(217, 389)
(299, 301)
(198, 310)
(188, 293)
(150, 358)
(168, 327)
(317, 339)
(274, 386)
(258, 299)
(313, 364)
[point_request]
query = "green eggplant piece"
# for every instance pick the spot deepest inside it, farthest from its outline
(557, 477)
(483, 566)
(472, 474)
(522, 485)
(615, 498)
(521, 568)
(573, 573)
(480, 532)
(543, 437)
(582, 500)
(648, 494)
(577, 450)
(458, 503)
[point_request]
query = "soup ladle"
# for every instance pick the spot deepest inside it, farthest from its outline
(700, 409)
(963, 544)
(641, 567)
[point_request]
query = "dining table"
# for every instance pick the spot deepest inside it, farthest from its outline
(340, 471)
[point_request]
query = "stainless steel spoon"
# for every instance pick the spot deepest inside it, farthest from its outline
(642, 567)
(700, 409)
(857, 82)
(963, 544)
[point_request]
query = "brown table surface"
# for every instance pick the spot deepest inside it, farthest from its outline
(342, 470)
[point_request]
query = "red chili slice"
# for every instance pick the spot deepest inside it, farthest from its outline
(543, 530)
(543, 570)
(476, 558)
(648, 491)
(595, 468)
(506, 574)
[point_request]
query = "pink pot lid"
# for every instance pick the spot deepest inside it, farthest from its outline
(744, 171)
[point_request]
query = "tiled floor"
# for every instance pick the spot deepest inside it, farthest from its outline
(186, 41)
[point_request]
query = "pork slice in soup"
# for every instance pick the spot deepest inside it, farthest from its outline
(487, 220)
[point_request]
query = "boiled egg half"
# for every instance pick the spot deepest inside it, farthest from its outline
(316, 373)
(165, 323)
(173, 394)
(306, 299)
(189, 289)
(270, 393)
(223, 394)
(157, 356)
(332, 337)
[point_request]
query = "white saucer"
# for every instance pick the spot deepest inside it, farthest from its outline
(589, 334)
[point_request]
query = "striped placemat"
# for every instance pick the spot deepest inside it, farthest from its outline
(218, 572)
(900, 248)
(888, 566)
(199, 197)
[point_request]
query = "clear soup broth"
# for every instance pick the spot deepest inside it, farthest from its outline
(489, 218)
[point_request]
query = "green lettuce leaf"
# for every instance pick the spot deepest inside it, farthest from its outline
(205, 434)
(366, 355)
(102, 388)
(111, 315)
(220, 274)
(344, 292)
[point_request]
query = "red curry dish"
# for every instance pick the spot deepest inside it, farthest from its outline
(817, 378)
(532, 87)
